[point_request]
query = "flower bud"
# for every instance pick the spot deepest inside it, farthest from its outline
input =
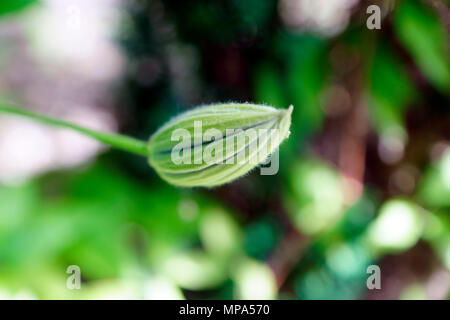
(215, 144)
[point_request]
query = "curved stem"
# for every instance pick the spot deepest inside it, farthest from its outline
(115, 140)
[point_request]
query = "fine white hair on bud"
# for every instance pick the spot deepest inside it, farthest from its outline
(216, 144)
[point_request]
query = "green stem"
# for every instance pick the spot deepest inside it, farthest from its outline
(115, 140)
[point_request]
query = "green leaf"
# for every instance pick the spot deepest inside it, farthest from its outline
(306, 73)
(398, 226)
(11, 6)
(316, 200)
(434, 187)
(268, 86)
(423, 34)
(194, 270)
(390, 89)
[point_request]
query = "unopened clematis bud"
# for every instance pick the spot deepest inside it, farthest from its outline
(207, 146)
(216, 144)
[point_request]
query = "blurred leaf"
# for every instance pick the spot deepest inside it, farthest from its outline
(261, 237)
(254, 280)
(423, 34)
(36, 242)
(414, 292)
(358, 216)
(167, 216)
(316, 201)
(437, 233)
(306, 72)
(268, 86)
(391, 89)
(112, 290)
(220, 234)
(16, 203)
(101, 182)
(434, 187)
(347, 260)
(194, 270)
(316, 283)
(442, 248)
(398, 226)
(11, 6)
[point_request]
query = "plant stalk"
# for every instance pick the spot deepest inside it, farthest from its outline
(112, 139)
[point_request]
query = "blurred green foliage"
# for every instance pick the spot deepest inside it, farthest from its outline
(296, 235)
(12, 6)
(426, 39)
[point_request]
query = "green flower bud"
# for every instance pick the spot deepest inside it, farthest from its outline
(216, 144)
(207, 146)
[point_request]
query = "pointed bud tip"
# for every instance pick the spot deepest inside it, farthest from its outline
(288, 111)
